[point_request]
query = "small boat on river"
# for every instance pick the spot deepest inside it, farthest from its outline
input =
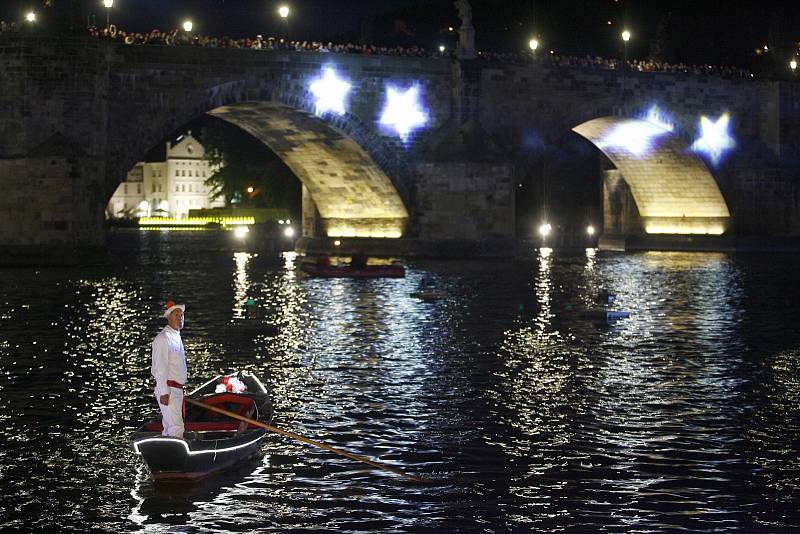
(211, 442)
(348, 271)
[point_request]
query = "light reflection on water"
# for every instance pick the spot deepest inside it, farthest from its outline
(526, 414)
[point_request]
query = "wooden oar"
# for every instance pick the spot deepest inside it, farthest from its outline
(298, 437)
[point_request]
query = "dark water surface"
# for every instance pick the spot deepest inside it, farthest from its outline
(526, 415)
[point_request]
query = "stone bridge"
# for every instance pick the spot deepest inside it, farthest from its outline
(76, 114)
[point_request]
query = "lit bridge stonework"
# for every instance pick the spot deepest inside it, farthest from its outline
(76, 114)
(673, 189)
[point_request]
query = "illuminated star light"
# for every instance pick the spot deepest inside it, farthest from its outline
(637, 137)
(403, 111)
(330, 92)
(659, 118)
(714, 138)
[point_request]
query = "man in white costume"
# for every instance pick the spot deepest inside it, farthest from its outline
(169, 370)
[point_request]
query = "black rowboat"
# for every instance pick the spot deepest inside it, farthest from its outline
(211, 442)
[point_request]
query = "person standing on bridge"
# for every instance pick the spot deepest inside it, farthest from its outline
(169, 370)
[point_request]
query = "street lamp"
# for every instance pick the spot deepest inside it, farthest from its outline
(30, 16)
(283, 11)
(108, 5)
(793, 65)
(187, 26)
(533, 44)
(441, 49)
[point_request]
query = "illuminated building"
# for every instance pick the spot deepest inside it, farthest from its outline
(167, 188)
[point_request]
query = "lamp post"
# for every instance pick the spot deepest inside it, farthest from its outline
(283, 11)
(187, 26)
(30, 16)
(626, 36)
(108, 5)
(793, 66)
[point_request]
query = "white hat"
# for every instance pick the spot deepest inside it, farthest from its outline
(171, 307)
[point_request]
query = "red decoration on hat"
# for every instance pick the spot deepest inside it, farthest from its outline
(170, 304)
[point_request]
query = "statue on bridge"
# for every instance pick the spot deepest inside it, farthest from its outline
(466, 34)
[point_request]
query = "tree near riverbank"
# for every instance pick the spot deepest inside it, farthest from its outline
(248, 173)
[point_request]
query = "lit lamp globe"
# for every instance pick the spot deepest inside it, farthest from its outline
(283, 11)
(187, 26)
(793, 65)
(533, 44)
(441, 48)
(30, 16)
(590, 230)
(626, 36)
(108, 3)
(545, 229)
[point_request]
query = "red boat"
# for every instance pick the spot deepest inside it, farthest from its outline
(348, 271)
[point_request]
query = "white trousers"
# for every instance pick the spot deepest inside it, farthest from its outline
(172, 414)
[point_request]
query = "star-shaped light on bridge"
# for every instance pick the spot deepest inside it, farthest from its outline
(330, 92)
(714, 138)
(404, 111)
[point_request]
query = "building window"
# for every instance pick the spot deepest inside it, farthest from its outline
(183, 188)
(177, 172)
(177, 188)
(138, 189)
(126, 189)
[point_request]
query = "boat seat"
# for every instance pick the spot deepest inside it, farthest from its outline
(213, 421)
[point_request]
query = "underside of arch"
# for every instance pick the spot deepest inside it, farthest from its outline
(354, 196)
(673, 189)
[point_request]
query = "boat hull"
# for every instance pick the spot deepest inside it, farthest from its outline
(179, 459)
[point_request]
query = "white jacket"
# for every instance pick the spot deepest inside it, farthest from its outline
(169, 360)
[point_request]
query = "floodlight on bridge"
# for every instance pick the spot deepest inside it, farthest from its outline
(330, 92)
(404, 111)
(715, 138)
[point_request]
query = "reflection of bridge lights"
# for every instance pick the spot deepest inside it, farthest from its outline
(545, 229)
(403, 111)
(655, 116)
(714, 138)
(637, 137)
(330, 92)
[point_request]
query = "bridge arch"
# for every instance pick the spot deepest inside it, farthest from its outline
(672, 188)
(356, 181)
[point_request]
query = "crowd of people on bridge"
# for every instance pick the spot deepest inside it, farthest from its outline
(178, 37)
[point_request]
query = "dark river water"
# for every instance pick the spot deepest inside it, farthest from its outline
(524, 414)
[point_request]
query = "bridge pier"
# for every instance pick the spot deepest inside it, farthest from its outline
(51, 209)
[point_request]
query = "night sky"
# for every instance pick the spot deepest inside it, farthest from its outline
(718, 32)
